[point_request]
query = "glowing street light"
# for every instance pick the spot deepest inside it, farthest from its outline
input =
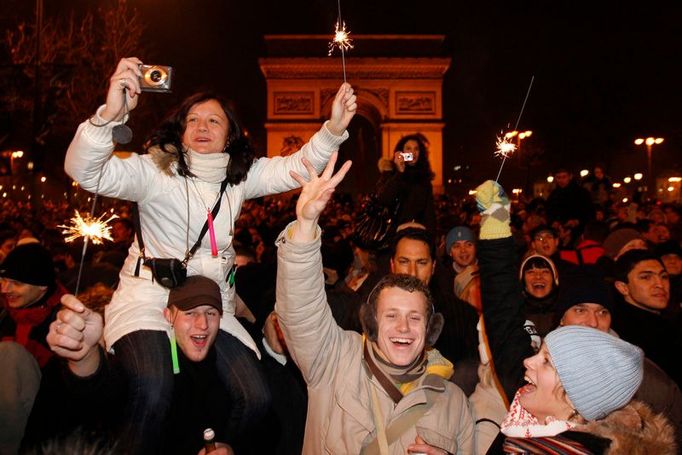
(584, 173)
(649, 142)
(519, 135)
(627, 180)
(550, 179)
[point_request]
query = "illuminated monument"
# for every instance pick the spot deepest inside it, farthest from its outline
(398, 80)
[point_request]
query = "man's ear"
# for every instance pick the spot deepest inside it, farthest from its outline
(622, 288)
(392, 266)
(168, 314)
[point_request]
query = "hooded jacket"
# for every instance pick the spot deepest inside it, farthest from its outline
(172, 212)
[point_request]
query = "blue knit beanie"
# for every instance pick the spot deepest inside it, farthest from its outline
(459, 233)
(599, 372)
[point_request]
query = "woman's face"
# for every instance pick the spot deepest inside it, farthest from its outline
(206, 128)
(539, 282)
(543, 396)
(412, 147)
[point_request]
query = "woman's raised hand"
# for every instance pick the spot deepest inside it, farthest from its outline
(314, 197)
(124, 80)
(343, 109)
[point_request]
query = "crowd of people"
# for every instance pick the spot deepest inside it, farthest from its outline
(480, 325)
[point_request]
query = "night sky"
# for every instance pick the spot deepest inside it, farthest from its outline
(604, 73)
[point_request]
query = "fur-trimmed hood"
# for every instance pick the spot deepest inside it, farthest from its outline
(634, 429)
(164, 160)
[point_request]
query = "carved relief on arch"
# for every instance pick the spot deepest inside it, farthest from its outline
(372, 103)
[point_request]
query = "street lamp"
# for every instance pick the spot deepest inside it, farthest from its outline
(649, 142)
(519, 135)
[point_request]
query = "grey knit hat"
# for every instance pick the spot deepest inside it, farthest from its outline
(599, 372)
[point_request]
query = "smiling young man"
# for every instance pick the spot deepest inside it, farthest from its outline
(93, 381)
(380, 392)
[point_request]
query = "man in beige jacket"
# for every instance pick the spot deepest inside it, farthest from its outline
(383, 392)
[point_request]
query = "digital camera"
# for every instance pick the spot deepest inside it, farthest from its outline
(156, 78)
(407, 156)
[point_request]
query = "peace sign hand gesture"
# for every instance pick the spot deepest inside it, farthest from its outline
(317, 191)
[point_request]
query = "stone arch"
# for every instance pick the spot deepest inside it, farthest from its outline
(397, 95)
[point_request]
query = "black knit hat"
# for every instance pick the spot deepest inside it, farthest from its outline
(31, 264)
(197, 290)
(668, 247)
(582, 287)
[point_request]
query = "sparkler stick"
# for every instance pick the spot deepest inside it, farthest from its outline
(90, 227)
(341, 40)
(504, 147)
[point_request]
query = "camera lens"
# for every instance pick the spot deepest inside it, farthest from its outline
(155, 76)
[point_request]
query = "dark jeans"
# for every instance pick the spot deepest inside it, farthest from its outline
(145, 357)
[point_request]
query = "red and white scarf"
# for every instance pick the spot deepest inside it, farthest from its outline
(520, 423)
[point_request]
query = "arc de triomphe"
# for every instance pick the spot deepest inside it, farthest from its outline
(398, 80)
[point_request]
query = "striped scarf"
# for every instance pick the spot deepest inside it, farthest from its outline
(555, 445)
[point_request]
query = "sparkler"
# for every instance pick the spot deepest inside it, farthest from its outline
(504, 147)
(88, 228)
(95, 229)
(341, 40)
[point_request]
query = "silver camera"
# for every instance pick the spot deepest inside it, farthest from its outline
(156, 78)
(407, 156)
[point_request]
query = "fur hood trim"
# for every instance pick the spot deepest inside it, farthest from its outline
(634, 430)
(164, 160)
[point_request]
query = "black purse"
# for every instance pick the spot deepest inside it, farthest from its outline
(170, 272)
(376, 224)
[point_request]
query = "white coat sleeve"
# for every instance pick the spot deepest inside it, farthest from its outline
(271, 175)
(90, 153)
(315, 341)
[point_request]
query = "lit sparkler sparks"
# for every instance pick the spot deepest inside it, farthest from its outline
(342, 39)
(95, 229)
(504, 147)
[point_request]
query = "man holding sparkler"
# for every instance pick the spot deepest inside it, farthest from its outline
(89, 387)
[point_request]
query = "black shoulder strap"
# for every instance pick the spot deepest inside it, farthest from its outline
(204, 229)
(140, 242)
